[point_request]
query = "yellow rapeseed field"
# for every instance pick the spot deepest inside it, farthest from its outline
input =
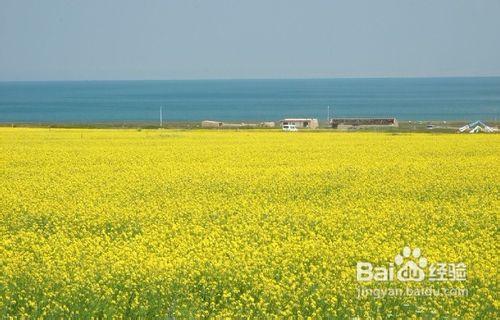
(240, 224)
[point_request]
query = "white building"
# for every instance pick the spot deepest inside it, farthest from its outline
(301, 123)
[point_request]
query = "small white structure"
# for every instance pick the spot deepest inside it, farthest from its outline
(211, 124)
(476, 127)
(300, 123)
(268, 124)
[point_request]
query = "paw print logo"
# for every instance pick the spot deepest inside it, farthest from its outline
(411, 265)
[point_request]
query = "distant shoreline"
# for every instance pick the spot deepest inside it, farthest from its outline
(404, 125)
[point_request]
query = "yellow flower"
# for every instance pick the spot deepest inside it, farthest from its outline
(239, 224)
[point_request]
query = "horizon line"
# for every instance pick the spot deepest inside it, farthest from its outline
(260, 78)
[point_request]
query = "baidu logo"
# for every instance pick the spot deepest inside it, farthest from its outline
(410, 270)
(411, 266)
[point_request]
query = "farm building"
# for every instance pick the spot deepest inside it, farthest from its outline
(301, 123)
(211, 124)
(363, 122)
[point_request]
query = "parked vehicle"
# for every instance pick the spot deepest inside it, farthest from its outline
(289, 127)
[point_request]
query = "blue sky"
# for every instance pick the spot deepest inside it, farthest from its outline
(186, 39)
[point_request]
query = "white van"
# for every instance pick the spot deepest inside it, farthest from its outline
(289, 127)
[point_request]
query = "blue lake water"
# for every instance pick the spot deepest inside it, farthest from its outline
(404, 98)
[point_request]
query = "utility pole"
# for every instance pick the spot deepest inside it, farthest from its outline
(161, 117)
(329, 115)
